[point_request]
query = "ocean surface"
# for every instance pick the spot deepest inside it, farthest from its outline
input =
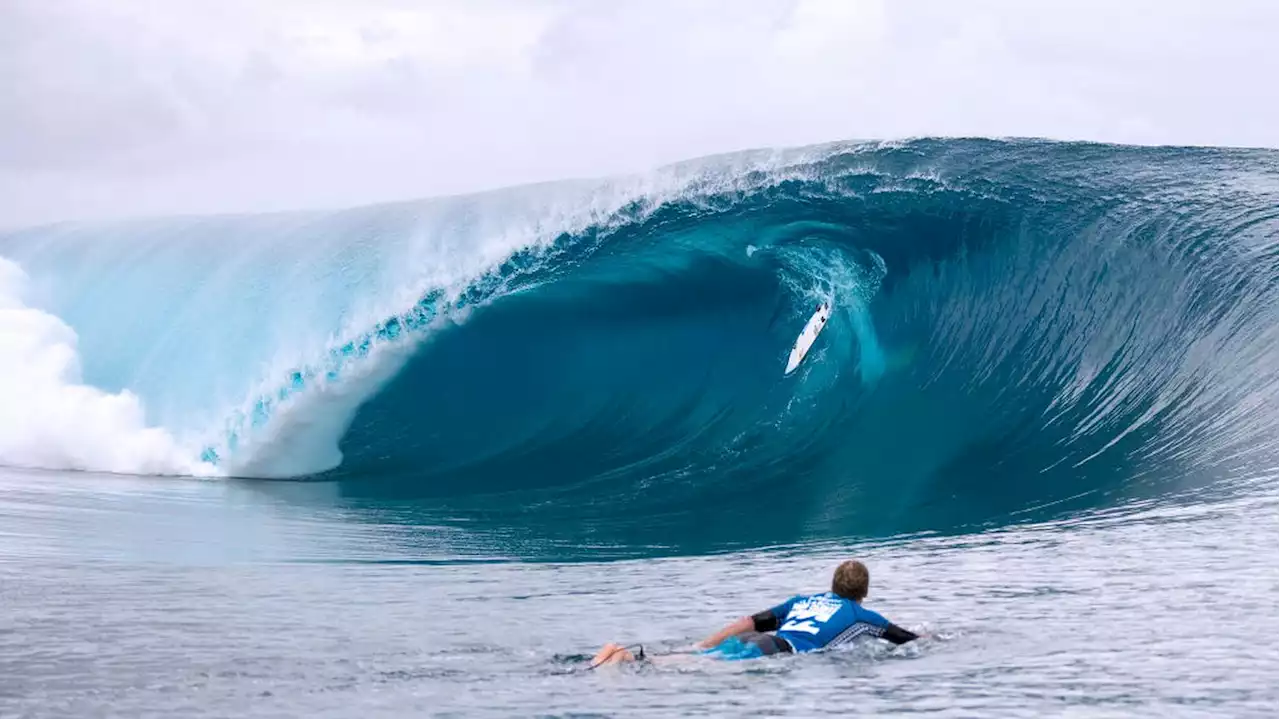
(424, 458)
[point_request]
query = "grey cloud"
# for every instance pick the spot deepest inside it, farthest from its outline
(113, 108)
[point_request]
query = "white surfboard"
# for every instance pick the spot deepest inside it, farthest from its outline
(811, 330)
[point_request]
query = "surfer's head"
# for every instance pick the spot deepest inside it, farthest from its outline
(851, 580)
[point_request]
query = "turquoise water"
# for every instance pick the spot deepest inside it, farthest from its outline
(147, 597)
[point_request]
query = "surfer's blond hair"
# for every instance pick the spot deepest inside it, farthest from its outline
(851, 580)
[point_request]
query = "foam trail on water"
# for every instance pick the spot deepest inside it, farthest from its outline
(872, 362)
(51, 420)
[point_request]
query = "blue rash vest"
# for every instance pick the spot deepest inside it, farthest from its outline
(817, 621)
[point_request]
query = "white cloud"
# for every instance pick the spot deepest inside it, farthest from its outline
(125, 107)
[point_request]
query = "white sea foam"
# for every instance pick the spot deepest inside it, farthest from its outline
(49, 419)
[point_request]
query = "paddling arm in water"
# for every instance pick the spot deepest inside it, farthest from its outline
(803, 623)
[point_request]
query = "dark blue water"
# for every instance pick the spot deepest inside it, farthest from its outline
(1017, 325)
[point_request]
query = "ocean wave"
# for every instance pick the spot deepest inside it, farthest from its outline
(1016, 322)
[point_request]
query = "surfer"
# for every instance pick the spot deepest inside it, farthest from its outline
(803, 623)
(808, 335)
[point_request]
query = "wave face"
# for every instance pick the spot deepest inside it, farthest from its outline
(1016, 324)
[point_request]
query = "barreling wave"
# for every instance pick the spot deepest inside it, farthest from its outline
(1016, 323)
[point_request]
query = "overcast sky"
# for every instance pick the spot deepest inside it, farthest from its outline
(115, 108)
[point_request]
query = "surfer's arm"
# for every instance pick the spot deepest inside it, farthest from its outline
(887, 630)
(739, 626)
(897, 634)
(765, 621)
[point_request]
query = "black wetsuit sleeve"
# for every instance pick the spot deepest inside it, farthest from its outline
(897, 634)
(765, 621)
